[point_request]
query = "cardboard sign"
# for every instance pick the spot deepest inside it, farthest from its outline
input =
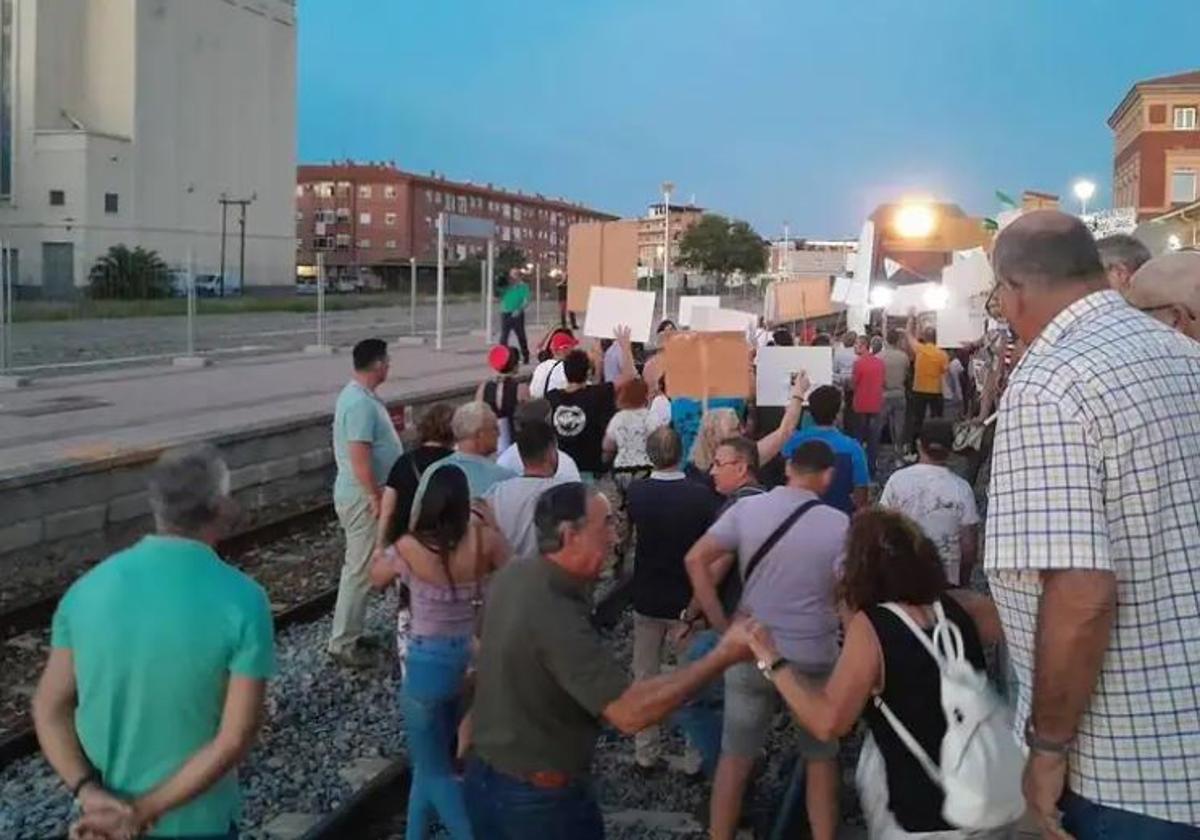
(777, 366)
(702, 365)
(796, 300)
(600, 254)
(715, 319)
(841, 290)
(911, 296)
(608, 309)
(689, 303)
(961, 323)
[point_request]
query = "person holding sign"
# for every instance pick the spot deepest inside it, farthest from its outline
(929, 366)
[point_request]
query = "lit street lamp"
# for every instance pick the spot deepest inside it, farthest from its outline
(915, 221)
(1084, 190)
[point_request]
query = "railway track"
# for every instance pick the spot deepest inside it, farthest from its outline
(37, 615)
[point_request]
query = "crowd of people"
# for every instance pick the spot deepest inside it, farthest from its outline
(775, 566)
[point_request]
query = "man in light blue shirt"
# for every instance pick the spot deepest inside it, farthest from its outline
(476, 434)
(365, 446)
(848, 492)
(155, 684)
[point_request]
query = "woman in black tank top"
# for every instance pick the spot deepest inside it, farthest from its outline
(888, 560)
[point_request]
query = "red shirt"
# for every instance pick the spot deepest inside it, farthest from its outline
(869, 375)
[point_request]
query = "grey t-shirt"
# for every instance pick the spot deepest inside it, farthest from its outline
(895, 366)
(513, 503)
(792, 590)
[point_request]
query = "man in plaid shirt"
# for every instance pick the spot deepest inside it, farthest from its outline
(1093, 523)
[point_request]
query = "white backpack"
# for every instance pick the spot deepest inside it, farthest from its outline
(981, 759)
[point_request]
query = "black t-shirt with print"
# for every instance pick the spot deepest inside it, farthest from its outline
(580, 418)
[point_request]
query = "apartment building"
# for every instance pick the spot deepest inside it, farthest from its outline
(651, 232)
(370, 219)
(1156, 145)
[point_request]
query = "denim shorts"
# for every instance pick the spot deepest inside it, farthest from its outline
(751, 702)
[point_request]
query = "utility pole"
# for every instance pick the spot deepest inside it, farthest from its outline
(242, 203)
(667, 188)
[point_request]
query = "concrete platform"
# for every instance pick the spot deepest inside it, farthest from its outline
(74, 449)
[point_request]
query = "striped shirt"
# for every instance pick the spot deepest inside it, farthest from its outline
(1097, 466)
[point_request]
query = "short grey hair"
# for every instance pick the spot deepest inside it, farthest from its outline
(664, 448)
(560, 508)
(1123, 250)
(187, 487)
(876, 344)
(469, 419)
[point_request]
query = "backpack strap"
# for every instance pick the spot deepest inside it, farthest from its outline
(918, 752)
(776, 536)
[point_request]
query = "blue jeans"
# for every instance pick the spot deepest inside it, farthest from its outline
(700, 717)
(430, 699)
(507, 808)
(1088, 820)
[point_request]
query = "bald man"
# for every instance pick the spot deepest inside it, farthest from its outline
(1168, 287)
(1092, 515)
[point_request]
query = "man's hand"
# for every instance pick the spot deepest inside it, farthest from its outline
(375, 502)
(761, 643)
(800, 385)
(735, 644)
(105, 817)
(622, 333)
(1044, 782)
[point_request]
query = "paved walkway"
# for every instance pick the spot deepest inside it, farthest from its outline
(69, 419)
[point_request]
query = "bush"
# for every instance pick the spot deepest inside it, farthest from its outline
(122, 274)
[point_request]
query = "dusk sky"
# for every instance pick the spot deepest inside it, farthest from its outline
(812, 111)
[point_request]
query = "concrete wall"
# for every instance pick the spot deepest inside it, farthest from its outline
(55, 523)
(169, 104)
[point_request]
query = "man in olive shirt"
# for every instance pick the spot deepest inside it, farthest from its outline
(512, 312)
(546, 681)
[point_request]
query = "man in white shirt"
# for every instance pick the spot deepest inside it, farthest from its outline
(537, 410)
(938, 500)
(549, 374)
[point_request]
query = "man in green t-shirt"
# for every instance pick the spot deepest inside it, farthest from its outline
(512, 312)
(153, 691)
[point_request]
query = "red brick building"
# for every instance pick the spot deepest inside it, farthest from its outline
(1156, 154)
(368, 218)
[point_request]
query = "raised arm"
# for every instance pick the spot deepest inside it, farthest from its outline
(770, 445)
(628, 368)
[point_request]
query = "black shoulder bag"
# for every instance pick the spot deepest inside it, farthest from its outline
(734, 585)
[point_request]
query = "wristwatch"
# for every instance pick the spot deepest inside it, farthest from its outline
(1044, 745)
(768, 669)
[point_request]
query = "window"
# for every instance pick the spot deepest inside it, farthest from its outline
(460, 251)
(389, 219)
(343, 213)
(299, 191)
(57, 198)
(299, 215)
(516, 214)
(1185, 119)
(389, 191)
(325, 216)
(364, 243)
(343, 240)
(429, 196)
(1183, 186)
(508, 211)
(506, 233)
(322, 243)
(462, 204)
(364, 218)
(299, 242)
(364, 191)
(516, 234)
(343, 188)
(390, 244)
(324, 189)
(112, 203)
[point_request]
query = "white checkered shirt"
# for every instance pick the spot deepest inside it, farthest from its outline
(1097, 466)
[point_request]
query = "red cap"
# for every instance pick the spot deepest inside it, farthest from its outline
(499, 357)
(562, 341)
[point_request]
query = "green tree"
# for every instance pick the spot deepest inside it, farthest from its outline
(126, 274)
(508, 258)
(721, 246)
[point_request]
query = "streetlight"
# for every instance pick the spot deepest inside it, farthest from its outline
(667, 188)
(915, 221)
(1084, 190)
(786, 262)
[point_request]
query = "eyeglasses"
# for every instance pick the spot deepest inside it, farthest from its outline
(723, 464)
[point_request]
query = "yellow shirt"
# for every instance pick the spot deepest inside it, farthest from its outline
(929, 365)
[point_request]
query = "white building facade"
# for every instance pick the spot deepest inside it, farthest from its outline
(127, 121)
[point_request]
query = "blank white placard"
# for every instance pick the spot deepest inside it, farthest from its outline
(774, 367)
(690, 303)
(609, 308)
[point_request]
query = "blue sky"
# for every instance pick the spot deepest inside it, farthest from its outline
(811, 111)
